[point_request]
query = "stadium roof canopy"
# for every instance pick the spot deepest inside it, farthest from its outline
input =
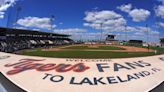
(4, 31)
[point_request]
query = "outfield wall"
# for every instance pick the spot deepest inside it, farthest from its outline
(40, 74)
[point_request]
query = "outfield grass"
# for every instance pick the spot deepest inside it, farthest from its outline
(86, 54)
(76, 47)
(160, 50)
(110, 48)
(94, 48)
(79, 52)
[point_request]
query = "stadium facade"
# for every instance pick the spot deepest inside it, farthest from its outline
(162, 42)
(16, 39)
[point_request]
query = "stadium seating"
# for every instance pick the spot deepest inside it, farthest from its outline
(12, 40)
(11, 46)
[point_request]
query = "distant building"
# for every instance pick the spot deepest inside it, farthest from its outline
(110, 39)
(162, 42)
(135, 42)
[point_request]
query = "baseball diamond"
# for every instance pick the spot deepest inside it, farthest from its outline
(81, 45)
(46, 44)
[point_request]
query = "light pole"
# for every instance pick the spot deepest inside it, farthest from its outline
(8, 24)
(8, 18)
(51, 21)
(126, 38)
(147, 36)
(159, 33)
(17, 15)
(101, 31)
(158, 28)
(147, 33)
(80, 38)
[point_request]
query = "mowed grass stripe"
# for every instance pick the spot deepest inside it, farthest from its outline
(94, 48)
(87, 54)
(110, 48)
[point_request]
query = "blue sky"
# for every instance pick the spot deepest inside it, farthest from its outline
(82, 18)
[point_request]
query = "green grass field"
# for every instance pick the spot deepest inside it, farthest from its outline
(86, 54)
(94, 48)
(160, 50)
(78, 52)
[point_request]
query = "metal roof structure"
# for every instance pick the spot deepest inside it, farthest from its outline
(4, 31)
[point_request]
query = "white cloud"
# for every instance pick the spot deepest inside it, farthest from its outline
(101, 15)
(104, 20)
(80, 34)
(154, 33)
(35, 29)
(36, 22)
(110, 21)
(1, 15)
(21, 28)
(142, 31)
(25, 28)
(139, 34)
(76, 33)
(70, 31)
(160, 24)
(4, 5)
(159, 10)
(139, 14)
(89, 36)
(125, 8)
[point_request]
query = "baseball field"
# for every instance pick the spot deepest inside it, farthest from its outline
(93, 51)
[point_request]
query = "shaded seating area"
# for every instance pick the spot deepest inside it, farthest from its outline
(17, 39)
